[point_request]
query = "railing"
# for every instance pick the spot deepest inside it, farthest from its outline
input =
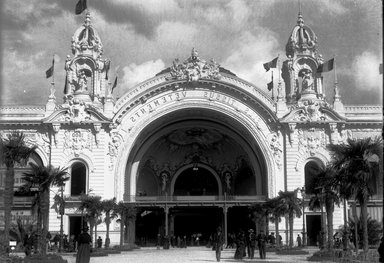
(25, 200)
(188, 198)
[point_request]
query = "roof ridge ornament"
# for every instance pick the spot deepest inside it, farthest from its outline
(194, 68)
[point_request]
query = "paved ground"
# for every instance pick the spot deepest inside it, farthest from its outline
(179, 255)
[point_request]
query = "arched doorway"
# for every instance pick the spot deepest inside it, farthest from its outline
(196, 180)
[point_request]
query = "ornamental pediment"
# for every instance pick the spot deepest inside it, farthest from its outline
(312, 112)
(76, 113)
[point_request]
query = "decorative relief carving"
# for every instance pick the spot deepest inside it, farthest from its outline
(77, 111)
(275, 146)
(194, 69)
(310, 112)
(113, 147)
(39, 139)
(311, 140)
(77, 141)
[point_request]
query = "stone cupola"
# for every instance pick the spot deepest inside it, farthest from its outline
(86, 72)
(299, 71)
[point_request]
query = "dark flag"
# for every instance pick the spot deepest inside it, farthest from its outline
(66, 85)
(107, 67)
(381, 68)
(270, 85)
(114, 84)
(327, 66)
(270, 64)
(80, 6)
(49, 71)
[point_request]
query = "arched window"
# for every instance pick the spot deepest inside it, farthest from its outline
(311, 170)
(78, 179)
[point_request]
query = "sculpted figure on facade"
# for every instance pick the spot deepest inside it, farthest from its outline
(113, 147)
(275, 146)
(310, 112)
(194, 68)
(76, 111)
(307, 83)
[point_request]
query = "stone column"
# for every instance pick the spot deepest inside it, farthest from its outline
(166, 212)
(131, 231)
(225, 212)
(172, 224)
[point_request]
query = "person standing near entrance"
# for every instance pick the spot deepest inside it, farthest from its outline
(251, 243)
(298, 239)
(84, 251)
(218, 241)
(261, 239)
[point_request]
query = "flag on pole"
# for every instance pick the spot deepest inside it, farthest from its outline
(271, 64)
(114, 84)
(381, 69)
(327, 66)
(107, 67)
(80, 7)
(49, 72)
(270, 85)
(66, 85)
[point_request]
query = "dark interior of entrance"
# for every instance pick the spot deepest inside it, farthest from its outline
(313, 229)
(196, 181)
(190, 221)
(75, 225)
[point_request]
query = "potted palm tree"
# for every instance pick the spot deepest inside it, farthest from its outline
(127, 213)
(43, 178)
(13, 150)
(356, 162)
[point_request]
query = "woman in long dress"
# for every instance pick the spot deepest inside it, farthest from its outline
(84, 247)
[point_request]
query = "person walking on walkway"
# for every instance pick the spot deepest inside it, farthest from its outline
(251, 243)
(240, 245)
(261, 239)
(218, 241)
(84, 251)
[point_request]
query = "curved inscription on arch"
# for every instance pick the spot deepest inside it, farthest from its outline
(138, 117)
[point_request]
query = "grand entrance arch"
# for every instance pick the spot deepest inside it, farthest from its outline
(194, 149)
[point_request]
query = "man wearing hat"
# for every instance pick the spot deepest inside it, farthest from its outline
(251, 243)
(218, 241)
(261, 239)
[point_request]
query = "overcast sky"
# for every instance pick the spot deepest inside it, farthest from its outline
(142, 37)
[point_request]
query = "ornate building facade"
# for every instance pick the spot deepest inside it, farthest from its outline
(193, 146)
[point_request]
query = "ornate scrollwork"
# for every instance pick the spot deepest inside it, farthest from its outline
(194, 69)
(76, 111)
(77, 141)
(310, 112)
(310, 141)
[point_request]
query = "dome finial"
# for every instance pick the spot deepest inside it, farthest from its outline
(87, 21)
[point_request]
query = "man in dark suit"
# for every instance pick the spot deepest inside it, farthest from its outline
(218, 241)
(261, 240)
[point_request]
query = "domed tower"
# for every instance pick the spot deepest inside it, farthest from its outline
(299, 71)
(86, 72)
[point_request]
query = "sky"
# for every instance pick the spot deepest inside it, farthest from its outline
(143, 37)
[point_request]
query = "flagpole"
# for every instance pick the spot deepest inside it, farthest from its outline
(273, 97)
(53, 73)
(334, 61)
